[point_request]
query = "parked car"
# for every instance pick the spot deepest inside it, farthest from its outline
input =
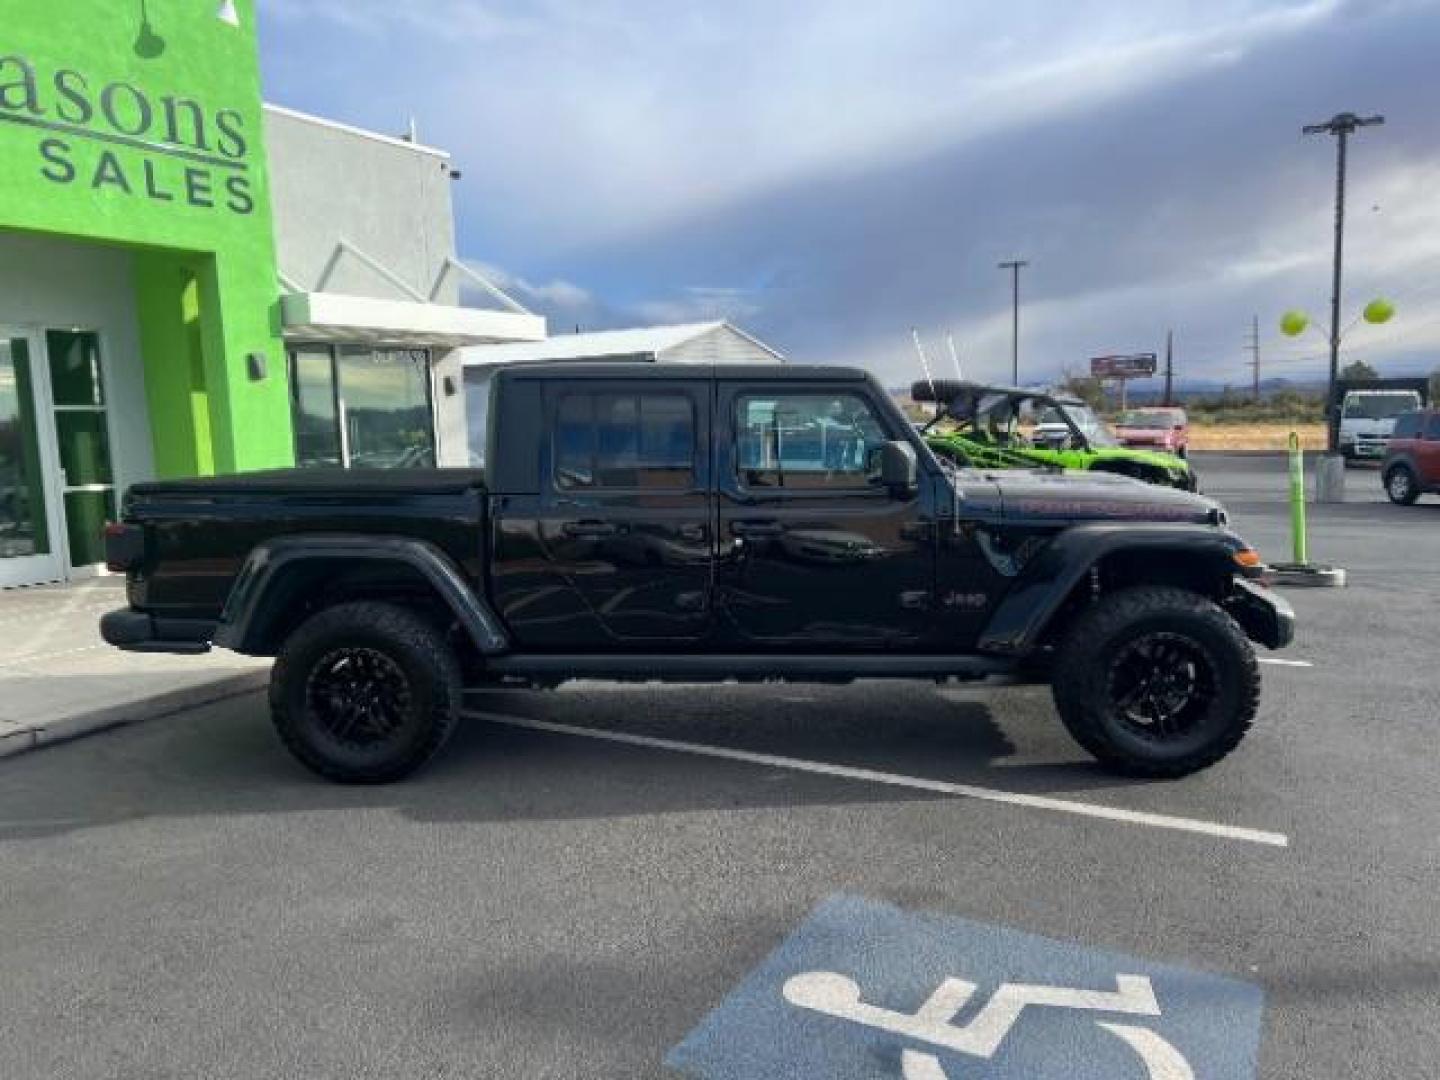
(977, 425)
(796, 528)
(1166, 429)
(1412, 457)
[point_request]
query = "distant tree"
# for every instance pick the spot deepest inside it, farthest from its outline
(1358, 369)
(1087, 388)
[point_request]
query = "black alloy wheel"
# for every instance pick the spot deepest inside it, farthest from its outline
(1161, 685)
(360, 696)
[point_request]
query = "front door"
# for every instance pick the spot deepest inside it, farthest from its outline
(82, 440)
(814, 553)
(31, 542)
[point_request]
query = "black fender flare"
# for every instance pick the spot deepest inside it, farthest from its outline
(1020, 619)
(275, 569)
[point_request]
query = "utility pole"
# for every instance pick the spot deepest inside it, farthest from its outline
(1342, 126)
(1169, 367)
(1254, 346)
(1014, 265)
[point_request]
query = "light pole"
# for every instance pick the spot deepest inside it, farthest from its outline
(1014, 265)
(1342, 126)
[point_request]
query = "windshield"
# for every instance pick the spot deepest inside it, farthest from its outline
(1084, 418)
(1147, 418)
(1379, 406)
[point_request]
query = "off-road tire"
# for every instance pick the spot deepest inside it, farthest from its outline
(1402, 486)
(1085, 673)
(408, 649)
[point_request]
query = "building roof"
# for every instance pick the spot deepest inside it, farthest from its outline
(603, 343)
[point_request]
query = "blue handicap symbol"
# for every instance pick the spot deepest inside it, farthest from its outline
(865, 990)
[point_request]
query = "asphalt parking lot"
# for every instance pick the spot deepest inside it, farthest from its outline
(180, 899)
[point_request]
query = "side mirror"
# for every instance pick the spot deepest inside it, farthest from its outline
(898, 470)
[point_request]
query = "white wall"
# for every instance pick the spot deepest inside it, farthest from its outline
(49, 284)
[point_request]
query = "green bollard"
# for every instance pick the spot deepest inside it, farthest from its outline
(1301, 572)
(1297, 501)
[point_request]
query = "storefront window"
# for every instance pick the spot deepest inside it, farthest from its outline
(362, 408)
(312, 398)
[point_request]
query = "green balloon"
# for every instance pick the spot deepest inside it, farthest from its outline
(1379, 311)
(1293, 323)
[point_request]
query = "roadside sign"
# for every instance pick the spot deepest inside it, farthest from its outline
(864, 990)
(1128, 366)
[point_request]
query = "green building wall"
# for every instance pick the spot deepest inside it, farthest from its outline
(140, 126)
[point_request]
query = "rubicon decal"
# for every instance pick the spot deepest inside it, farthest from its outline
(120, 138)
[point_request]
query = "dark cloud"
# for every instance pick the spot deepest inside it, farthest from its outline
(1159, 195)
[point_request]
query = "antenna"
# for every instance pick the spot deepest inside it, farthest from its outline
(954, 356)
(924, 365)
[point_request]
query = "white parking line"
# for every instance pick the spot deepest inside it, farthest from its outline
(915, 783)
(1285, 663)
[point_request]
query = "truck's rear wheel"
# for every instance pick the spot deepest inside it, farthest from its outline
(365, 693)
(1156, 682)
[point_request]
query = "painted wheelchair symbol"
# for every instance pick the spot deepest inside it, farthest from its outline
(838, 996)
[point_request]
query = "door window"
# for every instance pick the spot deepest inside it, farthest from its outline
(1432, 426)
(807, 441)
(624, 441)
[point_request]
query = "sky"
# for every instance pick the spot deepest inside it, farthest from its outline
(829, 174)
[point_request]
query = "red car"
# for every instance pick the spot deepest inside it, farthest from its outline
(1166, 429)
(1412, 457)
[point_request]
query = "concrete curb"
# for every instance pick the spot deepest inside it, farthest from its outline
(45, 733)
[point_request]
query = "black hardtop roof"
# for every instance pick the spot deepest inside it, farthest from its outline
(635, 369)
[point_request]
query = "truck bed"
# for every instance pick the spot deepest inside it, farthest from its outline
(199, 531)
(311, 481)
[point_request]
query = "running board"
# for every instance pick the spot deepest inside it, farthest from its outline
(664, 667)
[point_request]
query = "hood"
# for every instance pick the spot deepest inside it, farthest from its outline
(1041, 496)
(1159, 458)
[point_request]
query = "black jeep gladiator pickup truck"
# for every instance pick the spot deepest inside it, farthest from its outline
(667, 522)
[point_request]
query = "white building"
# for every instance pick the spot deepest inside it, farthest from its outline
(684, 343)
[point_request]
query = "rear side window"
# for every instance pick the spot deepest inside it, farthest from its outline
(1432, 427)
(624, 441)
(1407, 426)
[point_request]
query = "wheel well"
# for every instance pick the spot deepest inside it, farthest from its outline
(1199, 572)
(309, 586)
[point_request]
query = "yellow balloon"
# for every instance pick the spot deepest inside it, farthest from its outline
(1293, 323)
(1379, 311)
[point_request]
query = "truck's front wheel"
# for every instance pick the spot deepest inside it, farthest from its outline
(1156, 682)
(365, 693)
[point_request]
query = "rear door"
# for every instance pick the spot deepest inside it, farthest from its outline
(617, 546)
(813, 552)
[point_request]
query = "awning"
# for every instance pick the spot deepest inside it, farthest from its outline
(322, 316)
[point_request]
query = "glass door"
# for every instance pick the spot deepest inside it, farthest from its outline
(77, 393)
(30, 547)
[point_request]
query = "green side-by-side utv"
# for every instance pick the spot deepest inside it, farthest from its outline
(977, 426)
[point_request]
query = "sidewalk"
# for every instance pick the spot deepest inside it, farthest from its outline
(59, 680)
